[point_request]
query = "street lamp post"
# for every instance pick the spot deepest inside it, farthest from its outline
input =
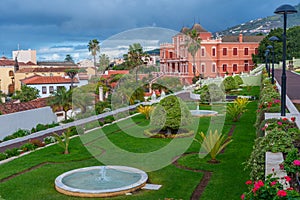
(270, 47)
(266, 56)
(273, 39)
(284, 10)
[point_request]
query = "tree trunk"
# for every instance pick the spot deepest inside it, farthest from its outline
(66, 116)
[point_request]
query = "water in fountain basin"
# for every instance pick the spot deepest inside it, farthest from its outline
(91, 180)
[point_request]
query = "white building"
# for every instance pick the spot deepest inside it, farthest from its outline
(48, 84)
(25, 55)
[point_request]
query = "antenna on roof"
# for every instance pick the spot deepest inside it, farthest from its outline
(18, 46)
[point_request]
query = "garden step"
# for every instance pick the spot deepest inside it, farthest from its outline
(272, 163)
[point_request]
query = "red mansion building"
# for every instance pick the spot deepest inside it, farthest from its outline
(215, 57)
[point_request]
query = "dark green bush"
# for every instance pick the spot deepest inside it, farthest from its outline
(109, 119)
(175, 112)
(40, 127)
(21, 133)
(2, 156)
(12, 152)
(211, 93)
(28, 147)
(229, 83)
(9, 137)
(67, 121)
(76, 130)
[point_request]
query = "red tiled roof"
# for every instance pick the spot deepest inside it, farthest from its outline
(33, 80)
(12, 107)
(6, 62)
(246, 38)
(44, 69)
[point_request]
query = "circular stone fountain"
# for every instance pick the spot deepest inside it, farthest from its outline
(100, 181)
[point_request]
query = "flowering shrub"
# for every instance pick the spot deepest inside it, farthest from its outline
(276, 141)
(270, 189)
(284, 124)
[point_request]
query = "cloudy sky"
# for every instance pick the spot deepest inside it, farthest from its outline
(59, 27)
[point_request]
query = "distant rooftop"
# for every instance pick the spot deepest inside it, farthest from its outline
(56, 63)
(9, 62)
(34, 80)
(44, 69)
(12, 107)
(246, 38)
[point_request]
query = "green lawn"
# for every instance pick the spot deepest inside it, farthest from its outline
(227, 181)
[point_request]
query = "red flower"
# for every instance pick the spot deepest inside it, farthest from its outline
(248, 182)
(273, 183)
(279, 123)
(293, 119)
(296, 162)
(287, 178)
(281, 193)
(281, 166)
(284, 119)
(290, 188)
(243, 196)
(257, 185)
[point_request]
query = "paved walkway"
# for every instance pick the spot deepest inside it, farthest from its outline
(292, 84)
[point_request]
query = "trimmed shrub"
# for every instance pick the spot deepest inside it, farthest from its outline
(238, 80)
(211, 93)
(174, 111)
(229, 83)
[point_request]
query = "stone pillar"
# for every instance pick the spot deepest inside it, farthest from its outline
(100, 93)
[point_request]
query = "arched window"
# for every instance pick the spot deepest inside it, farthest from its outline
(214, 51)
(11, 73)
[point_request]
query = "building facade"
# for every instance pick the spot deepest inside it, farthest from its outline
(215, 57)
(48, 84)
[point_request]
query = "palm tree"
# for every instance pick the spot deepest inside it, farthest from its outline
(69, 58)
(94, 48)
(193, 44)
(61, 99)
(82, 98)
(103, 62)
(135, 57)
(72, 73)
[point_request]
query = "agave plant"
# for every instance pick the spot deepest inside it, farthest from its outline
(145, 110)
(236, 109)
(242, 103)
(64, 140)
(213, 143)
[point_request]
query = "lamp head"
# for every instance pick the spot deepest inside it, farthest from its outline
(274, 38)
(285, 9)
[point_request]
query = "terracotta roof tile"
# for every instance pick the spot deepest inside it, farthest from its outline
(7, 62)
(12, 107)
(33, 80)
(249, 38)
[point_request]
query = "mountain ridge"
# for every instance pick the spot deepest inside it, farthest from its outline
(262, 25)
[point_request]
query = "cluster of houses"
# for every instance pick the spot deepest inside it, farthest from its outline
(215, 57)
